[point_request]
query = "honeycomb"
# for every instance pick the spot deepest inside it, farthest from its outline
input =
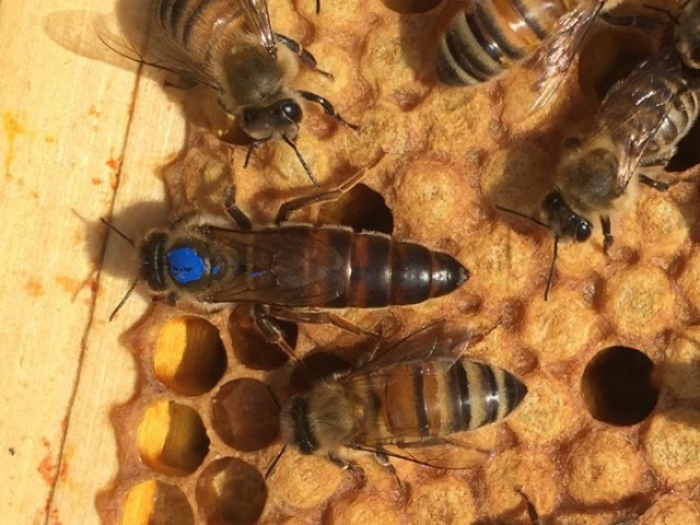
(610, 429)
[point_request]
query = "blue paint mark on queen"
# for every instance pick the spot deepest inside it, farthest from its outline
(185, 265)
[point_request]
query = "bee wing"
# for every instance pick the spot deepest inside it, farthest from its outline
(258, 16)
(559, 50)
(140, 38)
(445, 453)
(632, 100)
(435, 341)
(287, 272)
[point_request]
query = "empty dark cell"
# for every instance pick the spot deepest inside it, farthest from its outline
(231, 492)
(360, 208)
(688, 154)
(251, 348)
(617, 386)
(245, 415)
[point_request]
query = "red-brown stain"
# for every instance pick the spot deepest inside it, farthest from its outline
(34, 194)
(68, 284)
(92, 283)
(96, 181)
(93, 111)
(49, 139)
(114, 164)
(46, 466)
(34, 288)
(53, 517)
(113, 181)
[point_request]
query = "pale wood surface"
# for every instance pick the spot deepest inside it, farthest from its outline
(68, 120)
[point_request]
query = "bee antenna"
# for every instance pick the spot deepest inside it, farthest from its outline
(520, 214)
(668, 13)
(550, 276)
(118, 232)
(301, 159)
(274, 462)
(126, 296)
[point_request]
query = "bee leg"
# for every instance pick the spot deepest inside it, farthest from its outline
(251, 147)
(354, 469)
(607, 235)
(531, 510)
(289, 207)
(271, 331)
(327, 108)
(383, 460)
(305, 56)
(237, 214)
(317, 318)
(656, 184)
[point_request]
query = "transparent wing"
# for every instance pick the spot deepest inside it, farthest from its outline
(558, 51)
(634, 110)
(286, 270)
(445, 453)
(258, 17)
(435, 341)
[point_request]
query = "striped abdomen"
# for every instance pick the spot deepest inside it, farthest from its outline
(198, 25)
(379, 271)
(491, 35)
(432, 398)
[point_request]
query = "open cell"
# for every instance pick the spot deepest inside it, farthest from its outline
(156, 503)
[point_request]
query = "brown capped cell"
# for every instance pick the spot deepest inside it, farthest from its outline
(639, 301)
(672, 509)
(368, 507)
(303, 482)
(680, 372)
(561, 328)
(547, 415)
(441, 500)
(156, 503)
(603, 468)
(664, 226)
(232, 492)
(172, 439)
(690, 278)
(189, 356)
(672, 444)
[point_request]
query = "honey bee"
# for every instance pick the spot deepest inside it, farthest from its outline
(229, 46)
(487, 37)
(639, 124)
(414, 395)
(208, 261)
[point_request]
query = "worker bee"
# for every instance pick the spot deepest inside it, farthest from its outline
(487, 37)
(639, 125)
(402, 402)
(229, 46)
(208, 261)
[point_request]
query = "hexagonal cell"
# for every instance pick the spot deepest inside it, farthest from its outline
(189, 356)
(231, 492)
(156, 503)
(362, 209)
(617, 386)
(172, 439)
(252, 349)
(245, 414)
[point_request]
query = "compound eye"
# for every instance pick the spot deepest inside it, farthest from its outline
(291, 110)
(583, 231)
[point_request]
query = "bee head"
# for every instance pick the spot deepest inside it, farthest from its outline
(563, 220)
(319, 420)
(279, 119)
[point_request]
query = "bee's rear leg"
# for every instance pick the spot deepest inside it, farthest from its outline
(305, 56)
(328, 108)
(357, 472)
(607, 235)
(289, 207)
(294, 316)
(653, 183)
(271, 331)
